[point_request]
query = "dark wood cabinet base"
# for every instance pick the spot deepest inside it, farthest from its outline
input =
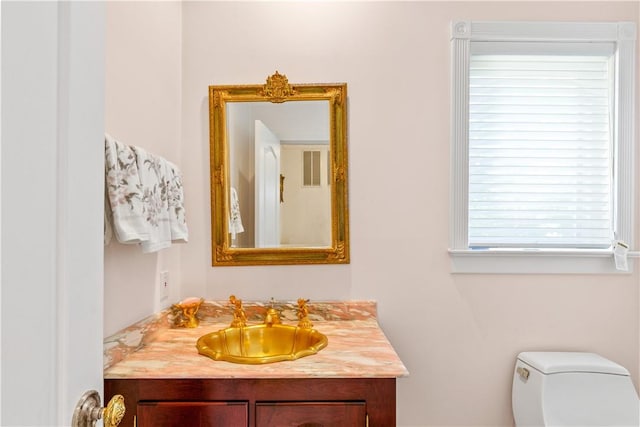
(317, 402)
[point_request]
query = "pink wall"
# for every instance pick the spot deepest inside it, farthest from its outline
(457, 334)
(142, 89)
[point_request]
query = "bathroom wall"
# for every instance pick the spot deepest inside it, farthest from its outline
(143, 107)
(457, 334)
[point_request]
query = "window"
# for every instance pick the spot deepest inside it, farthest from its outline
(311, 168)
(542, 145)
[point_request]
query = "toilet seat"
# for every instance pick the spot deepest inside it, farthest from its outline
(557, 362)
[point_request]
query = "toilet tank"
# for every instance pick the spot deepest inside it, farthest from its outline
(572, 389)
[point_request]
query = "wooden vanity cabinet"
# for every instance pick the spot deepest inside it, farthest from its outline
(261, 402)
(204, 414)
(311, 414)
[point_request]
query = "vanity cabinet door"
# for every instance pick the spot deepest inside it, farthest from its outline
(310, 414)
(193, 414)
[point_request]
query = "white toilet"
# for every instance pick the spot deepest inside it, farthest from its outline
(572, 389)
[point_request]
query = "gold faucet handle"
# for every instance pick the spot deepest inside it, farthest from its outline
(239, 317)
(303, 314)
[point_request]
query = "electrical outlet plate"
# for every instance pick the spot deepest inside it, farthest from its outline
(164, 284)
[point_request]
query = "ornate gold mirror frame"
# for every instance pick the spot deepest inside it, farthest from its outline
(278, 90)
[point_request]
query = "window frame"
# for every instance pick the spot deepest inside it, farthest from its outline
(589, 261)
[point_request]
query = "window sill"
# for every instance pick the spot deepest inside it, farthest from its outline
(535, 261)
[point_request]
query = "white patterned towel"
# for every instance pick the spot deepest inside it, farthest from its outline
(152, 171)
(124, 192)
(177, 219)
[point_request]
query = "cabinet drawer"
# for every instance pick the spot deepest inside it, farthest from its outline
(193, 414)
(310, 414)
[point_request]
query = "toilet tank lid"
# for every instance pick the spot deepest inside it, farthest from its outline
(557, 362)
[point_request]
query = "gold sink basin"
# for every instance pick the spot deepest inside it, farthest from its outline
(261, 344)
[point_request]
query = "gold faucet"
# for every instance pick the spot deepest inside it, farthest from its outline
(272, 317)
(239, 318)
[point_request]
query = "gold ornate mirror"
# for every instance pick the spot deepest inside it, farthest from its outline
(279, 173)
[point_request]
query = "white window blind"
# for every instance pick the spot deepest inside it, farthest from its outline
(540, 147)
(311, 168)
(572, 122)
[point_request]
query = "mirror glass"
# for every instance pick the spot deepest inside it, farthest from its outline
(278, 167)
(278, 173)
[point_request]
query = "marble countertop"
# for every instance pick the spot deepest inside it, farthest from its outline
(357, 347)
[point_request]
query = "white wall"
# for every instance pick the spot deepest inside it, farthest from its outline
(457, 334)
(143, 106)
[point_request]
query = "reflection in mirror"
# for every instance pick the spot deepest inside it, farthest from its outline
(278, 173)
(270, 145)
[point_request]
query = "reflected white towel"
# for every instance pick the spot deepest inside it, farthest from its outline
(152, 171)
(235, 221)
(177, 218)
(124, 191)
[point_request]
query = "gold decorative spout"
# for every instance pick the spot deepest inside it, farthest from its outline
(272, 317)
(239, 318)
(185, 311)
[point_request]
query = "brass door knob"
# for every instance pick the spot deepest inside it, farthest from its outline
(88, 410)
(114, 412)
